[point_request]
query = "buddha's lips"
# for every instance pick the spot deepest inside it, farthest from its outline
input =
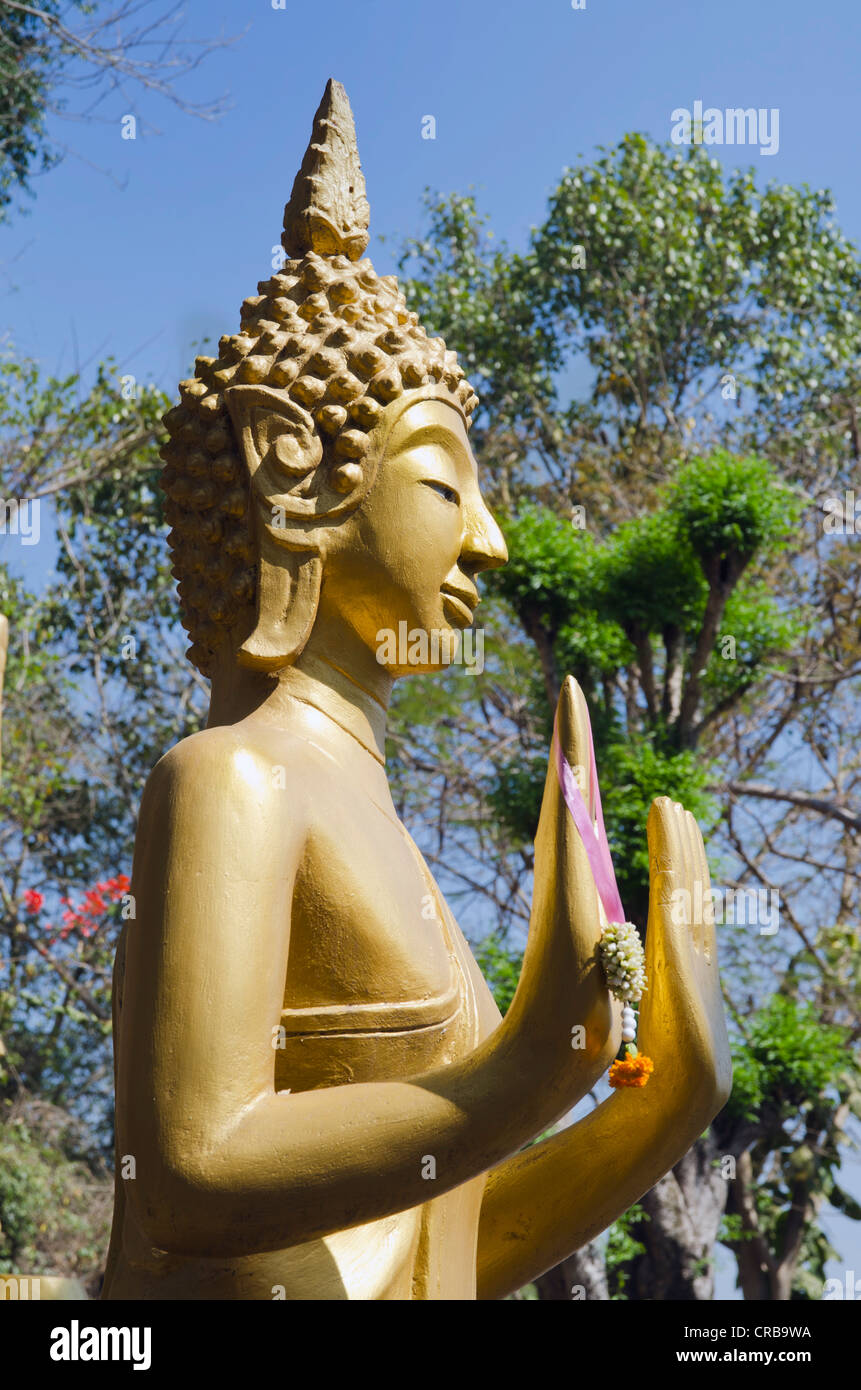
(460, 604)
(594, 836)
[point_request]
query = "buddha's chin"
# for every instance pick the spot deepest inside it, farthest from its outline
(418, 670)
(420, 650)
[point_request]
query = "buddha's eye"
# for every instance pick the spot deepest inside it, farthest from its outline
(444, 491)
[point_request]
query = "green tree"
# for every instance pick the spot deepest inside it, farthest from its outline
(97, 689)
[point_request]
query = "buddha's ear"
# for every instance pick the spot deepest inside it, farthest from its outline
(272, 429)
(280, 449)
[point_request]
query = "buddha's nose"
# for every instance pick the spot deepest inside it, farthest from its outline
(484, 546)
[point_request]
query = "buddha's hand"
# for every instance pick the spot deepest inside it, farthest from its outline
(562, 1002)
(682, 1025)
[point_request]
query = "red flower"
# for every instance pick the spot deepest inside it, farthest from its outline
(114, 887)
(85, 917)
(94, 903)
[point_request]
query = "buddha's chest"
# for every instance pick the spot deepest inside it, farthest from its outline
(379, 982)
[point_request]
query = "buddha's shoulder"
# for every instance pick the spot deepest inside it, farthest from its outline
(237, 759)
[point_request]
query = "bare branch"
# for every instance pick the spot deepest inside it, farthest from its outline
(803, 799)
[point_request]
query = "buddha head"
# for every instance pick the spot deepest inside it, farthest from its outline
(328, 437)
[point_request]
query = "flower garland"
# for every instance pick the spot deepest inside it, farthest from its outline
(620, 949)
(624, 962)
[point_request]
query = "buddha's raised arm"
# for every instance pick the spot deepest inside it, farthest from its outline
(226, 1164)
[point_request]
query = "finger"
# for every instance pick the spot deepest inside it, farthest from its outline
(663, 838)
(692, 877)
(669, 889)
(661, 832)
(574, 736)
(573, 730)
(708, 941)
(565, 731)
(561, 861)
(571, 739)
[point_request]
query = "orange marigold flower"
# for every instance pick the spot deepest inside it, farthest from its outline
(633, 1071)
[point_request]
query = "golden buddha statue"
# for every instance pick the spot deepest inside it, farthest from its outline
(317, 1097)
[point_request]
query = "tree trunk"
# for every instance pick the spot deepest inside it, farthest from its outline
(582, 1276)
(684, 1212)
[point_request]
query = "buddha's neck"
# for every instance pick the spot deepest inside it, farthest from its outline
(315, 679)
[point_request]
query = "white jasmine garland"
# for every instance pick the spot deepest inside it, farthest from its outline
(624, 961)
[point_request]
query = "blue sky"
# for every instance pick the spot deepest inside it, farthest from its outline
(160, 250)
(138, 249)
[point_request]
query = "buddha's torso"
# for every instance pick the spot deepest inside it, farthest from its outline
(380, 984)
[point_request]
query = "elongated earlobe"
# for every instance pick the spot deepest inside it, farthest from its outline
(288, 591)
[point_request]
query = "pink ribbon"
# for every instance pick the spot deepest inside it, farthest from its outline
(594, 837)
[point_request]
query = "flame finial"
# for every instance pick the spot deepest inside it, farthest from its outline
(328, 211)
